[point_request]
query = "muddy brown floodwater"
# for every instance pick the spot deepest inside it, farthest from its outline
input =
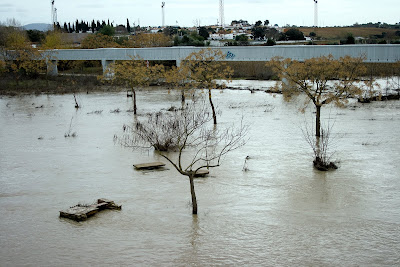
(281, 212)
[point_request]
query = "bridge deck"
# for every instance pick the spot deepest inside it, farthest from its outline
(372, 53)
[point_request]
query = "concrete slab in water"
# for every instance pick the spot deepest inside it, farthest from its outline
(148, 166)
(82, 212)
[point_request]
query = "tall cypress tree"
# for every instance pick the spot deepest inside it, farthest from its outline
(128, 27)
(93, 26)
(77, 26)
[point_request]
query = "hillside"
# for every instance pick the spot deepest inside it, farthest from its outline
(37, 26)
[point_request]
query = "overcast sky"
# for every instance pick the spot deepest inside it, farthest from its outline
(190, 12)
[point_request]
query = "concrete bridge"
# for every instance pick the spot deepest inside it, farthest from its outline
(373, 53)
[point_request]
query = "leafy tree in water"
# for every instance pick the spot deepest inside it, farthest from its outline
(198, 145)
(204, 68)
(135, 73)
(177, 78)
(323, 80)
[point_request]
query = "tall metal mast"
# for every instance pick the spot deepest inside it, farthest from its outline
(315, 13)
(221, 13)
(163, 13)
(53, 14)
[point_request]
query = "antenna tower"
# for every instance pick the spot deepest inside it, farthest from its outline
(315, 13)
(163, 13)
(221, 13)
(53, 13)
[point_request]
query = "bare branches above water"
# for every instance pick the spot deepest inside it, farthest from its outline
(321, 146)
(186, 138)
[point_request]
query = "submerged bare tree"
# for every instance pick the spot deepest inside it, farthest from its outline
(321, 146)
(195, 143)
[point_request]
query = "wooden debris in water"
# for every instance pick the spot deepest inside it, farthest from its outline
(149, 166)
(201, 173)
(82, 212)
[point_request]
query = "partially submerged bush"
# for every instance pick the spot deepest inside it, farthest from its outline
(321, 146)
(157, 131)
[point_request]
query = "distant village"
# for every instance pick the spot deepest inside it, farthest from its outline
(237, 33)
(260, 31)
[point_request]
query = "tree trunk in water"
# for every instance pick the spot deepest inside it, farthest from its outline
(318, 147)
(193, 193)
(212, 106)
(318, 121)
(183, 97)
(134, 101)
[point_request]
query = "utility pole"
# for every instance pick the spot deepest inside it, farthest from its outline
(221, 13)
(315, 13)
(52, 13)
(163, 13)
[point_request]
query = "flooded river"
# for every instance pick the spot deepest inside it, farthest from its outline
(281, 212)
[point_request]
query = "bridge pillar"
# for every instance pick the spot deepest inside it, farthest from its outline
(52, 69)
(178, 62)
(285, 82)
(107, 71)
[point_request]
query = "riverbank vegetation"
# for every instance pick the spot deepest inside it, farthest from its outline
(81, 76)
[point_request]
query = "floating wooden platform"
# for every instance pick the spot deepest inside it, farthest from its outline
(82, 212)
(149, 166)
(201, 173)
